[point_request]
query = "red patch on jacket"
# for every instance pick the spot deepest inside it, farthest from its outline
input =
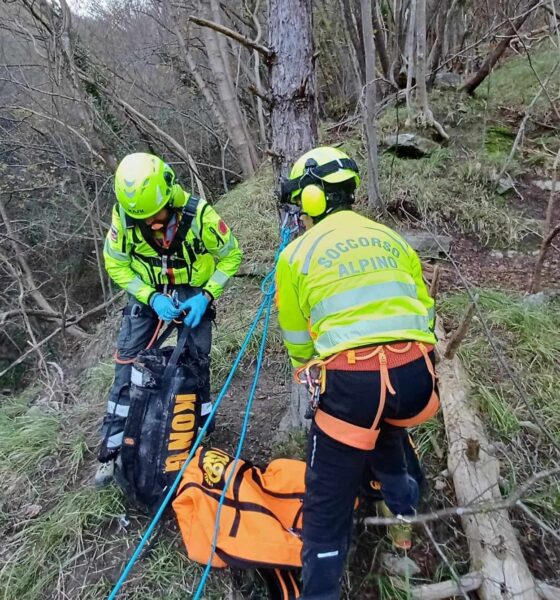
(222, 227)
(114, 233)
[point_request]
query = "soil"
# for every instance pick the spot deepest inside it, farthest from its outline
(501, 269)
(270, 403)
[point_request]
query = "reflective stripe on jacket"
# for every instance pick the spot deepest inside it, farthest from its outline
(208, 256)
(350, 282)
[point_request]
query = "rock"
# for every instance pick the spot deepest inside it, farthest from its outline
(546, 185)
(504, 185)
(448, 80)
(426, 244)
(31, 511)
(496, 254)
(410, 145)
(294, 417)
(535, 299)
(403, 566)
(440, 484)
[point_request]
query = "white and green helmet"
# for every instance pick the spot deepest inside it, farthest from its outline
(143, 184)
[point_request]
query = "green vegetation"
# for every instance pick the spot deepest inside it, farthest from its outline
(528, 337)
(59, 533)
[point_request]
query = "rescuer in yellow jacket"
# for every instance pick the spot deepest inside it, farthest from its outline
(357, 321)
(173, 254)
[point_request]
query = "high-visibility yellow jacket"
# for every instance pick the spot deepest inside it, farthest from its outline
(350, 282)
(205, 255)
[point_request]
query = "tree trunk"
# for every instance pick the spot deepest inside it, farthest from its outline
(374, 198)
(380, 45)
(224, 52)
(292, 79)
(441, 26)
(495, 55)
(425, 116)
(353, 19)
(410, 56)
(293, 115)
(348, 35)
(229, 102)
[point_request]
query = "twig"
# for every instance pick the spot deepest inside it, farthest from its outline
(70, 322)
(453, 572)
(27, 275)
(536, 519)
(461, 331)
(434, 284)
(536, 280)
(547, 240)
(234, 35)
(462, 511)
(259, 93)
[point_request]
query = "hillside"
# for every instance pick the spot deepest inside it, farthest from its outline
(64, 539)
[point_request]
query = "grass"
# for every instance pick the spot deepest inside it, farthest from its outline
(528, 337)
(250, 210)
(516, 83)
(53, 541)
(61, 538)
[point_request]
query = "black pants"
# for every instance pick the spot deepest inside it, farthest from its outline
(335, 471)
(138, 325)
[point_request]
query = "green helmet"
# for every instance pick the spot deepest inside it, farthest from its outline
(143, 184)
(326, 163)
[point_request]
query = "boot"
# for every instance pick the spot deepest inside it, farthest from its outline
(105, 474)
(401, 533)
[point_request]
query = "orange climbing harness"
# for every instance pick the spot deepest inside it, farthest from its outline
(380, 358)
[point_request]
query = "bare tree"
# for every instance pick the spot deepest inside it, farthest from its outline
(374, 197)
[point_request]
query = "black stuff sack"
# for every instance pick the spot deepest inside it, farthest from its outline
(166, 412)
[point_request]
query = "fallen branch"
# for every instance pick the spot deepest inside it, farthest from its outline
(27, 278)
(69, 322)
(434, 284)
(234, 35)
(445, 589)
(493, 545)
(514, 25)
(467, 583)
(550, 234)
(467, 510)
(459, 335)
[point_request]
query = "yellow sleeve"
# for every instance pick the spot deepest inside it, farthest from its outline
(422, 290)
(219, 240)
(293, 322)
(116, 255)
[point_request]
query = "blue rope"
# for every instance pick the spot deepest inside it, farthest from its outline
(242, 436)
(267, 287)
(172, 489)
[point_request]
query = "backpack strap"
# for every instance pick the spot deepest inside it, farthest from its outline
(282, 584)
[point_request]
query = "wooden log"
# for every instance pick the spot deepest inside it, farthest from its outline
(447, 589)
(470, 582)
(493, 547)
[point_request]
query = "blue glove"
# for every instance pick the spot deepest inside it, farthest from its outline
(164, 307)
(196, 307)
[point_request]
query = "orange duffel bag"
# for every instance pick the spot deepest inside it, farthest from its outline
(261, 517)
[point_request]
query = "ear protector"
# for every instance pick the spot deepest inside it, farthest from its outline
(176, 192)
(313, 200)
(313, 197)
